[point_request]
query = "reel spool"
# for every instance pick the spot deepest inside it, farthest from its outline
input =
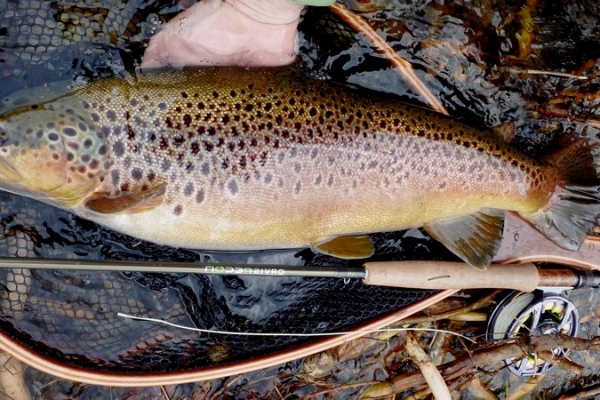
(536, 313)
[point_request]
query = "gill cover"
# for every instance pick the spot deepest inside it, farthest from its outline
(32, 155)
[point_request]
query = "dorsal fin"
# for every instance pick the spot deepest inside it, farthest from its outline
(474, 238)
(130, 202)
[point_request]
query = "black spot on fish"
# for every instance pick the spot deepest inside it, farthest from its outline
(165, 165)
(178, 140)
(200, 196)
(69, 131)
(103, 133)
(87, 143)
(74, 146)
(212, 131)
(330, 180)
(111, 115)
(130, 133)
(178, 209)
(268, 178)
(102, 150)
(184, 95)
(164, 144)
(70, 156)
(53, 137)
(136, 174)
(94, 164)
(215, 94)
(50, 125)
(151, 176)
(82, 127)
(205, 169)
(187, 120)
(86, 158)
(195, 148)
(225, 119)
(249, 107)
(118, 149)
(55, 156)
(208, 146)
(318, 180)
(162, 106)
(233, 187)
(189, 189)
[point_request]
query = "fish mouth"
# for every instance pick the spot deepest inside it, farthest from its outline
(8, 174)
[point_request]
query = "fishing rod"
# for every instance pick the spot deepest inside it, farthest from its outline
(407, 274)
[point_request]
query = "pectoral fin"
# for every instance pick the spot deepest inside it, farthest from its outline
(474, 238)
(348, 247)
(130, 202)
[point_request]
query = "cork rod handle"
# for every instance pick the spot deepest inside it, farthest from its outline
(451, 275)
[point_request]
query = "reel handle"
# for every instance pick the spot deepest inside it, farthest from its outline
(452, 275)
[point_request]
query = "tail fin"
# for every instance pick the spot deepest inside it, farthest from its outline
(577, 209)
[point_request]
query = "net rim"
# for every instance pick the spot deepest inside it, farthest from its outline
(63, 370)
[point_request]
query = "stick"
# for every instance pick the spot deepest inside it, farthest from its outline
(502, 350)
(401, 65)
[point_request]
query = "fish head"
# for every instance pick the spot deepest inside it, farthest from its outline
(33, 158)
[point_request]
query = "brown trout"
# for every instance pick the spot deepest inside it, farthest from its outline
(234, 159)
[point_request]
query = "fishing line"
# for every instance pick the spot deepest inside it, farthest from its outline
(160, 321)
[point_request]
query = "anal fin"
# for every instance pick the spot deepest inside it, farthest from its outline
(130, 202)
(348, 247)
(474, 238)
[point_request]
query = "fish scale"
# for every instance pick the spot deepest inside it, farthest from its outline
(234, 159)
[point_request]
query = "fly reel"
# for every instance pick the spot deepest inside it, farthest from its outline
(536, 313)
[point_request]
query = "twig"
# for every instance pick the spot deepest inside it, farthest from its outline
(502, 350)
(428, 369)
(401, 65)
(164, 392)
(587, 393)
(549, 73)
(560, 361)
(341, 387)
(447, 314)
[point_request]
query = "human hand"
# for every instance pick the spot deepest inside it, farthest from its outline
(227, 32)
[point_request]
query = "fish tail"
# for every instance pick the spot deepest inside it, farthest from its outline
(574, 210)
